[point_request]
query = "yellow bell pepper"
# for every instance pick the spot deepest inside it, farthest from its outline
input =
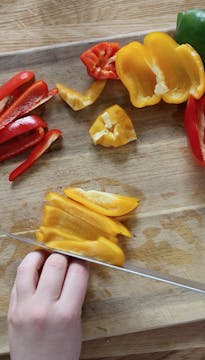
(78, 101)
(103, 202)
(103, 224)
(112, 128)
(181, 66)
(160, 69)
(136, 75)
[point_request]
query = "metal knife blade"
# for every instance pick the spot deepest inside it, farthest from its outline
(133, 269)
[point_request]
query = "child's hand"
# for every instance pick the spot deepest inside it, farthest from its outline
(44, 314)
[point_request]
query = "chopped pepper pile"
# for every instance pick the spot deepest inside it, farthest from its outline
(19, 96)
(83, 225)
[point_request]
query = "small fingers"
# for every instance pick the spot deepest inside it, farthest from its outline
(28, 273)
(52, 276)
(75, 285)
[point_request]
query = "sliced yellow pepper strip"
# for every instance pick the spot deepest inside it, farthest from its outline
(102, 202)
(101, 249)
(102, 223)
(136, 75)
(112, 128)
(78, 101)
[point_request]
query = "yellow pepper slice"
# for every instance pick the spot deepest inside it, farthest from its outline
(78, 101)
(101, 249)
(102, 202)
(112, 128)
(135, 73)
(102, 223)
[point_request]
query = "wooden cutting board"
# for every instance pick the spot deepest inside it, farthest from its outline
(168, 228)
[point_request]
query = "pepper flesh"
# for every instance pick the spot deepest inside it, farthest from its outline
(101, 249)
(21, 126)
(15, 82)
(112, 128)
(26, 102)
(194, 122)
(78, 101)
(100, 60)
(180, 68)
(20, 144)
(160, 69)
(103, 223)
(51, 136)
(104, 203)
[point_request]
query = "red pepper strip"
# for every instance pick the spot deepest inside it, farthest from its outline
(51, 93)
(20, 127)
(25, 103)
(15, 82)
(3, 104)
(39, 149)
(100, 60)
(18, 145)
(194, 122)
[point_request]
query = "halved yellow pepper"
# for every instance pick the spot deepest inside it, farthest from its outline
(104, 224)
(78, 101)
(101, 249)
(180, 65)
(136, 75)
(175, 71)
(103, 202)
(112, 128)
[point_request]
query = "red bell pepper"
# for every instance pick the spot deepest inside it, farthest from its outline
(194, 122)
(100, 60)
(34, 96)
(38, 150)
(18, 145)
(16, 82)
(21, 126)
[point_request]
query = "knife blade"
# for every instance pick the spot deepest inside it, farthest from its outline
(128, 268)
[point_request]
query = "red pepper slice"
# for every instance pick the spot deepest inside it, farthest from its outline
(39, 149)
(18, 145)
(26, 102)
(100, 60)
(194, 122)
(15, 82)
(50, 94)
(20, 127)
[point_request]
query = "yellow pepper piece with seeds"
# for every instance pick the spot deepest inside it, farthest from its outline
(78, 101)
(103, 202)
(112, 128)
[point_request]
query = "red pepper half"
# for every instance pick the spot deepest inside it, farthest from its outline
(194, 122)
(39, 149)
(27, 101)
(21, 126)
(100, 60)
(15, 82)
(18, 145)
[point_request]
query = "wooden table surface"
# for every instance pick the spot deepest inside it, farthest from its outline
(31, 23)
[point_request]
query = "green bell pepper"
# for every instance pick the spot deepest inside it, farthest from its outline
(191, 29)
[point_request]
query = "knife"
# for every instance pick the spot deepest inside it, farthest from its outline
(128, 268)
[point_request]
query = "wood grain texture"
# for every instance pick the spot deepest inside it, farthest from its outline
(144, 304)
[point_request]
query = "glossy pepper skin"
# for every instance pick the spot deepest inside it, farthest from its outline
(190, 28)
(194, 122)
(37, 151)
(15, 82)
(160, 69)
